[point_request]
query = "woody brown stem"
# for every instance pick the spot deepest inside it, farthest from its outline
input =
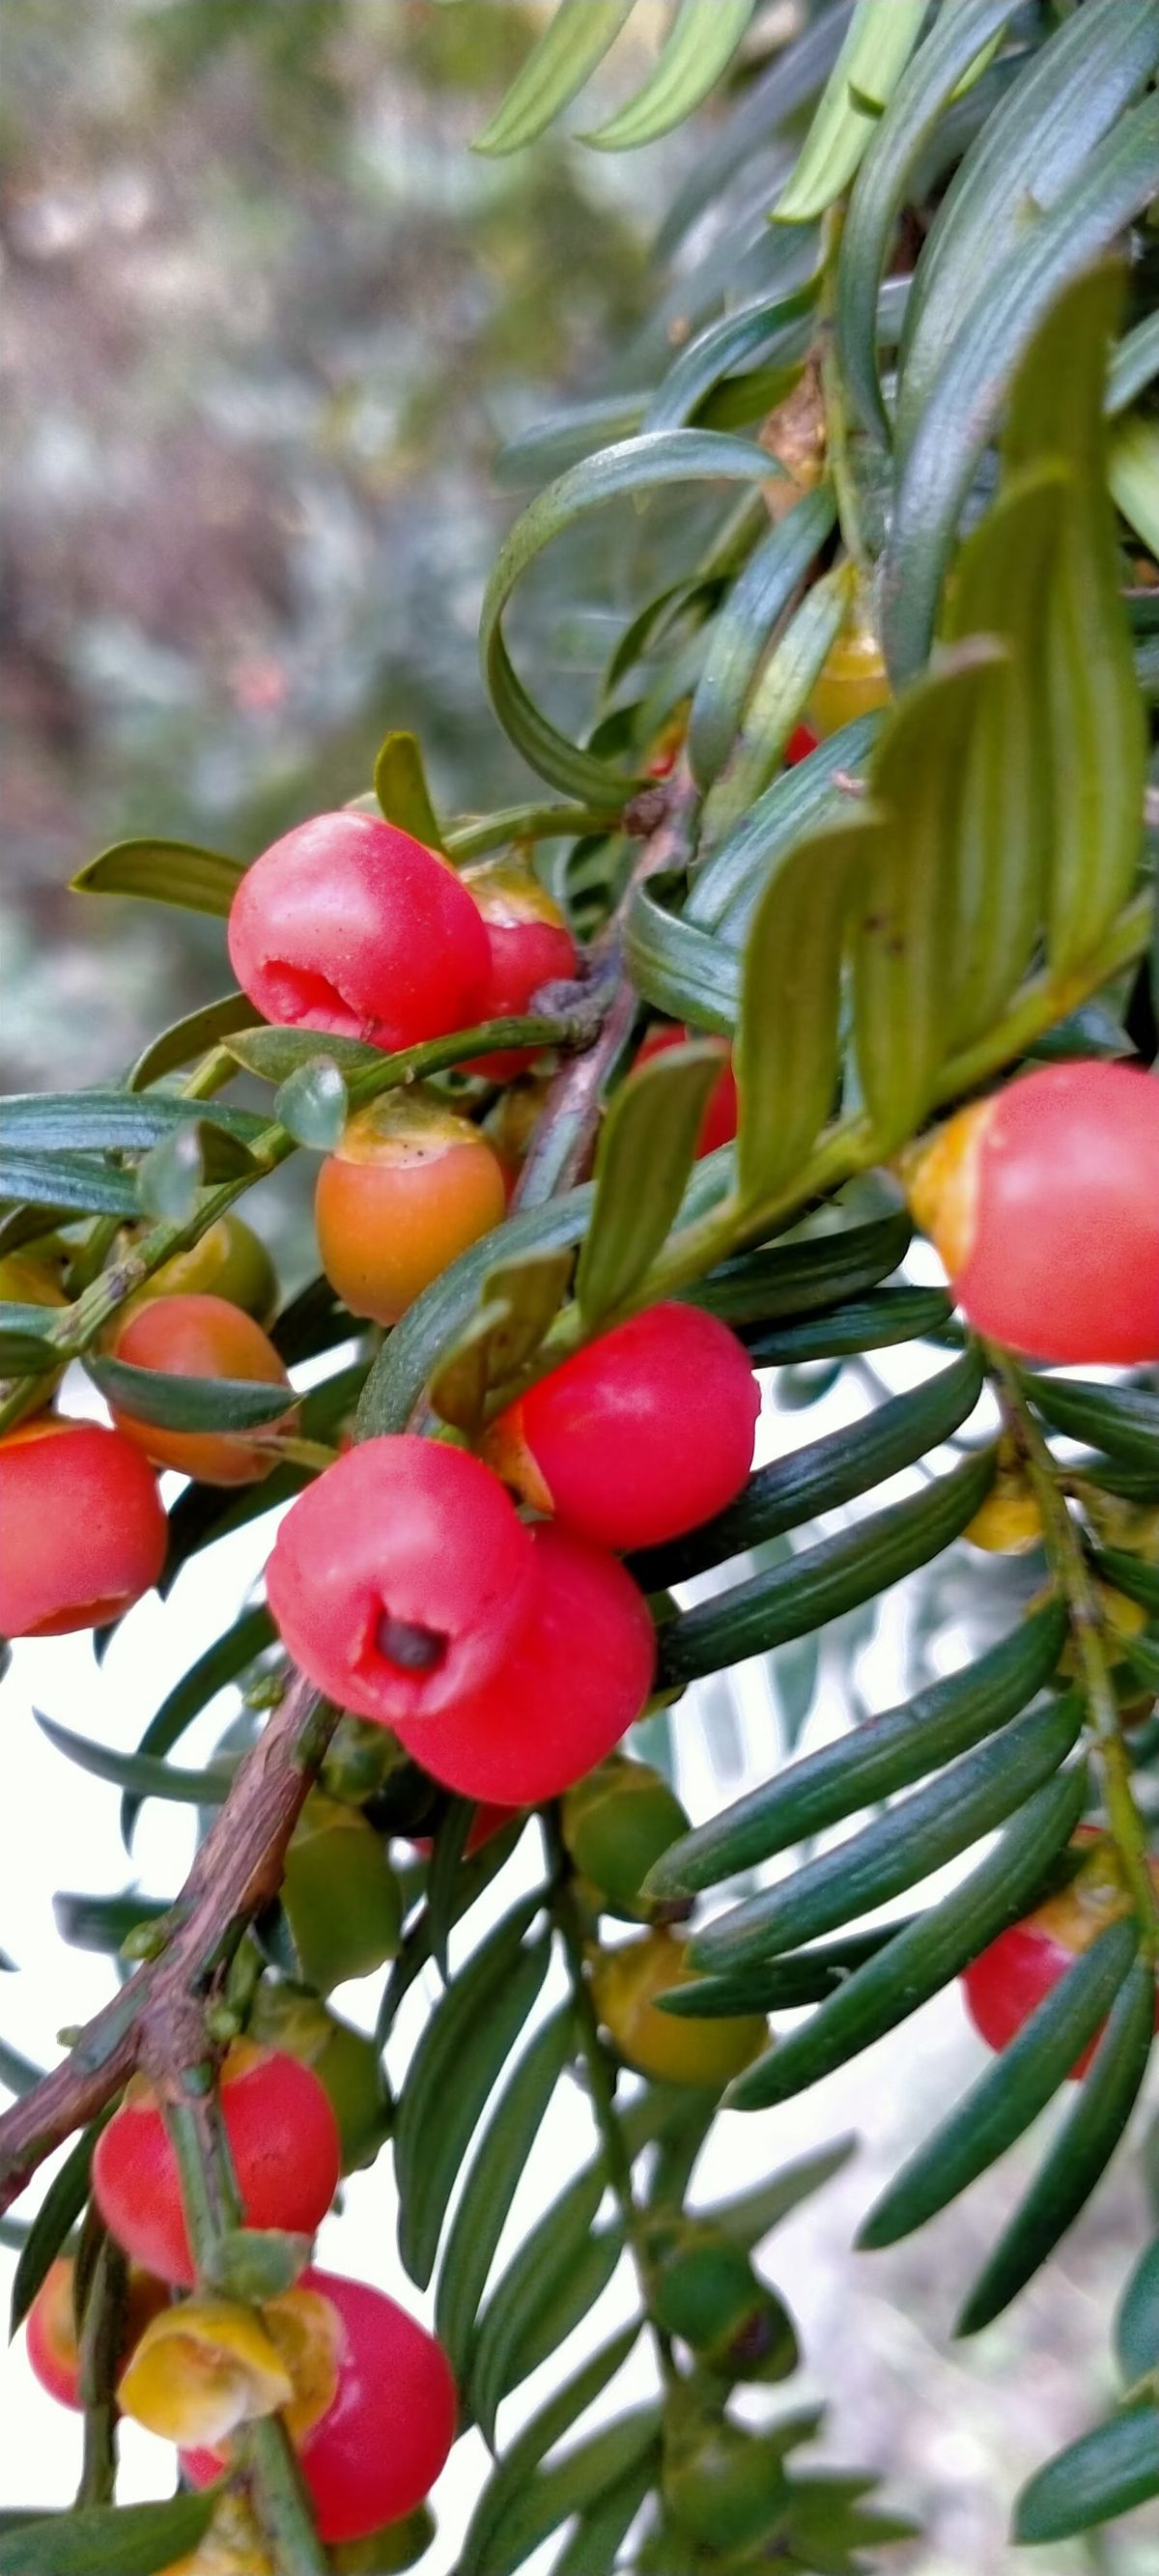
(157, 2021)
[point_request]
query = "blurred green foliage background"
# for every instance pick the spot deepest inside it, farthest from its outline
(268, 321)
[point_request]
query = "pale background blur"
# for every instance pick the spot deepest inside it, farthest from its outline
(267, 323)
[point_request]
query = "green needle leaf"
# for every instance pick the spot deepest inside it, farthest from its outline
(1079, 2156)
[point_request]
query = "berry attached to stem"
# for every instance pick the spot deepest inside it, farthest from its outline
(348, 926)
(283, 2139)
(408, 1188)
(202, 1337)
(641, 1435)
(374, 2408)
(577, 1676)
(530, 945)
(1006, 1984)
(1043, 1203)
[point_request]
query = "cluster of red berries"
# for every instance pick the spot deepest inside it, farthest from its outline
(509, 1658)
(366, 2393)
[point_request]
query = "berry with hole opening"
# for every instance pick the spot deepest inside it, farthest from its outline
(409, 1187)
(283, 2139)
(400, 1579)
(82, 1527)
(203, 1337)
(1043, 1202)
(348, 926)
(577, 1676)
(641, 1435)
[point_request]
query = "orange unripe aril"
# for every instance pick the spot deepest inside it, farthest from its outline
(722, 1110)
(410, 1186)
(283, 2139)
(577, 1675)
(82, 1527)
(625, 1983)
(401, 1578)
(529, 944)
(374, 2450)
(349, 926)
(198, 1336)
(641, 1435)
(1043, 1203)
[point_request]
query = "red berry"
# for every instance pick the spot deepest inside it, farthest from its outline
(1007, 1983)
(283, 2139)
(385, 2434)
(578, 1675)
(53, 2351)
(1044, 1205)
(349, 926)
(399, 1580)
(640, 1436)
(82, 1527)
(722, 1111)
(408, 1188)
(801, 742)
(530, 945)
(199, 1336)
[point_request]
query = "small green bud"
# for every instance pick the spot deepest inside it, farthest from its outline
(359, 1760)
(726, 2487)
(616, 1823)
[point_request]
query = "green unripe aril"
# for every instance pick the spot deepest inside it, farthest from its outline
(345, 2061)
(616, 1823)
(726, 2487)
(340, 1895)
(703, 2288)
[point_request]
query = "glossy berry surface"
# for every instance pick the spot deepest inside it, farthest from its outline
(202, 1337)
(1043, 1203)
(529, 943)
(801, 742)
(409, 1187)
(50, 2333)
(578, 1674)
(400, 1579)
(641, 1435)
(722, 1110)
(283, 2139)
(384, 2437)
(1003, 1987)
(349, 926)
(82, 1527)
(625, 1983)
